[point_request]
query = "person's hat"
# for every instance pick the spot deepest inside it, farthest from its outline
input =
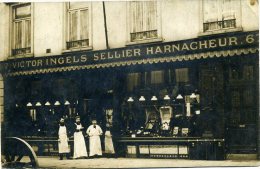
(62, 120)
(77, 117)
(94, 121)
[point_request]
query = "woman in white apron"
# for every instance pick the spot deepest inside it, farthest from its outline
(63, 140)
(80, 150)
(109, 147)
(94, 132)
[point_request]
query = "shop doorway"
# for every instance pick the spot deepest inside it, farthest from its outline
(241, 124)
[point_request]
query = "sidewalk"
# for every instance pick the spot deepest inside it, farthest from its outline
(53, 162)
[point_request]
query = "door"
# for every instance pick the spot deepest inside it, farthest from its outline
(241, 124)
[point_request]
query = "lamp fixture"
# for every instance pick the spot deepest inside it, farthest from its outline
(142, 99)
(47, 103)
(197, 111)
(154, 98)
(38, 104)
(166, 97)
(29, 104)
(179, 96)
(67, 102)
(130, 99)
(57, 103)
(193, 96)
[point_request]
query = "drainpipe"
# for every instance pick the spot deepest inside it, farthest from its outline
(105, 24)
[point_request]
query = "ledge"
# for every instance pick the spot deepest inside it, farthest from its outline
(144, 41)
(213, 32)
(20, 56)
(77, 49)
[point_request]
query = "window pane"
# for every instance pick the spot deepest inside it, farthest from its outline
(157, 77)
(210, 10)
(27, 33)
(22, 11)
(76, 5)
(151, 15)
(84, 24)
(248, 72)
(73, 25)
(18, 35)
(248, 97)
(228, 11)
(182, 75)
(133, 80)
(143, 16)
(235, 103)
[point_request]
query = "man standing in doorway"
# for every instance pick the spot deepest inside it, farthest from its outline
(94, 131)
(80, 150)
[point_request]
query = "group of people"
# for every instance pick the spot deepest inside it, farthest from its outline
(94, 132)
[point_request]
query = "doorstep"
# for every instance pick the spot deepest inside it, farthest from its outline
(241, 156)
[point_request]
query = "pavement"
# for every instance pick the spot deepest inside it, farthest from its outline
(54, 162)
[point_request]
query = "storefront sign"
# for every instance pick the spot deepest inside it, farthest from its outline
(138, 52)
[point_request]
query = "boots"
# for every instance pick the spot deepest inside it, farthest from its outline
(61, 156)
(68, 156)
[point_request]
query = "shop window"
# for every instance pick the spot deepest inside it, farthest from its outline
(157, 77)
(220, 14)
(78, 25)
(21, 43)
(248, 72)
(133, 80)
(33, 114)
(143, 20)
(182, 75)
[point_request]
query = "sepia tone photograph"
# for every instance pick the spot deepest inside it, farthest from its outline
(129, 84)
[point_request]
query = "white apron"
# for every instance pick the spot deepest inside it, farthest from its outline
(79, 144)
(94, 140)
(63, 140)
(109, 147)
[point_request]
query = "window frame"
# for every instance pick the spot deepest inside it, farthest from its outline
(238, 21)
(66, 28)
(158, 21)
(12, 29)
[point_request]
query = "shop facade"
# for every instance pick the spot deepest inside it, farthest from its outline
(170, 83)
(191, 99)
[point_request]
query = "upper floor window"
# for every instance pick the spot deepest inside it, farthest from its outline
(220, 14)
(21, 41)
(143, 20)
(78, 25)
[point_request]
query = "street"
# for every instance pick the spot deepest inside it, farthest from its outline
(54, 162)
